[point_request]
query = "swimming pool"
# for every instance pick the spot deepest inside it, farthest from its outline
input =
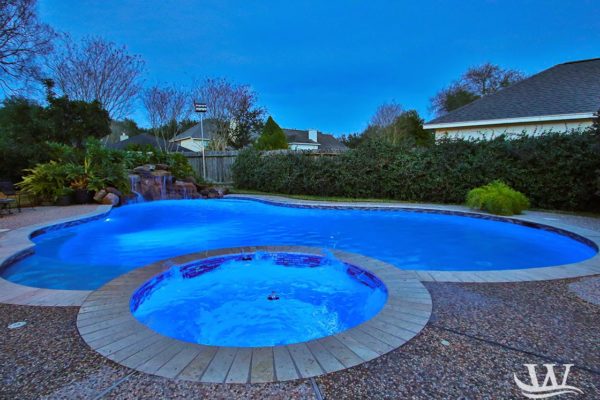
(88, 255)
(261, 299)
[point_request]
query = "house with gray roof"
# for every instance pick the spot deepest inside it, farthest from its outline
(144, 140)
(194, 139)
(312, 139)
(563, 98)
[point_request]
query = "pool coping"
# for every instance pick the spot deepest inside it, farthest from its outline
(16, 244)
(106, 324)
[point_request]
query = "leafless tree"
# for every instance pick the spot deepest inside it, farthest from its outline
(489, 78)
(233, 109)
(476, 82)
(23, 39)
(386, 114)
(166, 108)
(96, 69)
(217, 94)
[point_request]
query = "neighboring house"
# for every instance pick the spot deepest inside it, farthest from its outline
(191, 139)
(312, 140)
(144, 140)
(562, 98)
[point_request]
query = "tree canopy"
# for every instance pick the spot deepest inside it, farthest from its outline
(476, 82)
(26, 128)
(271, 137)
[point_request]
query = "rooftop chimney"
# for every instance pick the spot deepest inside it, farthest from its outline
(312, 135)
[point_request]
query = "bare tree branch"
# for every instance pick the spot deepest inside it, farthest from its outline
(386, 114)
(96, 69)
(234, 110)
(23, 39)
(166, 108)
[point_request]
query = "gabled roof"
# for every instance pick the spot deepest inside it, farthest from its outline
(209, 126)
(569, 88)
(325, 141)
(144, 140)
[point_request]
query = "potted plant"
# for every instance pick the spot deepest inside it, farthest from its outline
(80, 190)
(64, 196)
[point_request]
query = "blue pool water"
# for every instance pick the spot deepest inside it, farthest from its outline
(88, 255)
(229, 305)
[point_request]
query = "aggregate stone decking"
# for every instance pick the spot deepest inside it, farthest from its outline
(478, 336)
(37, 215)
(588, 289)
(106, 324)
(491, 330)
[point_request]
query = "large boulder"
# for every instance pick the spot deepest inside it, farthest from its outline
(160, 172)
(214, 194)
(144, 170)
(99, 195)
(114, 191)
(111, 199)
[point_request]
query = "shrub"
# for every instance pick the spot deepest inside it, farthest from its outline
(46, 181)
(497, 198)
(105, 167)
(555, 170)
(177, 162)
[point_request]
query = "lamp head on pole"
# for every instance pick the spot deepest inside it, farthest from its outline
(200, 107)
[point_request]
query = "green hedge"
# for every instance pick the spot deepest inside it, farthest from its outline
(554, 170)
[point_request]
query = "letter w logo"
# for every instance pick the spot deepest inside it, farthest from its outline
(549, 387)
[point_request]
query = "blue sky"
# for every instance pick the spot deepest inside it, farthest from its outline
(328, 64)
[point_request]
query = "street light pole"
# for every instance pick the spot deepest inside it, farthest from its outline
(202, 108)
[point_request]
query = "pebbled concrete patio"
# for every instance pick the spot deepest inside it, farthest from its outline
(478, 336)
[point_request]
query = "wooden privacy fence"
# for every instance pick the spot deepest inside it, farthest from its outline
(219, 163)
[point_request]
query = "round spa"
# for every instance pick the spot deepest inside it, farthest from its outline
(258, 299)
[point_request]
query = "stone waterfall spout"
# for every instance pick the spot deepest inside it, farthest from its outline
(134, 181)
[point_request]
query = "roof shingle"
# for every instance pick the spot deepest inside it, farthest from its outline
(568, 88)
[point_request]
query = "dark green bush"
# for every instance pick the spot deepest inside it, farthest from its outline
(497, 198)
(46, 181)
(177, 162)
(555, 171)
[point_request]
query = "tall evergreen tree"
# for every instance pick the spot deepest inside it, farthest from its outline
(271, 137)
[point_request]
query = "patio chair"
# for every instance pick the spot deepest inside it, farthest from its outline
(5, 205)
(9, 196)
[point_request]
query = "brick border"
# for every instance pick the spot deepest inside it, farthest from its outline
(106, 324)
